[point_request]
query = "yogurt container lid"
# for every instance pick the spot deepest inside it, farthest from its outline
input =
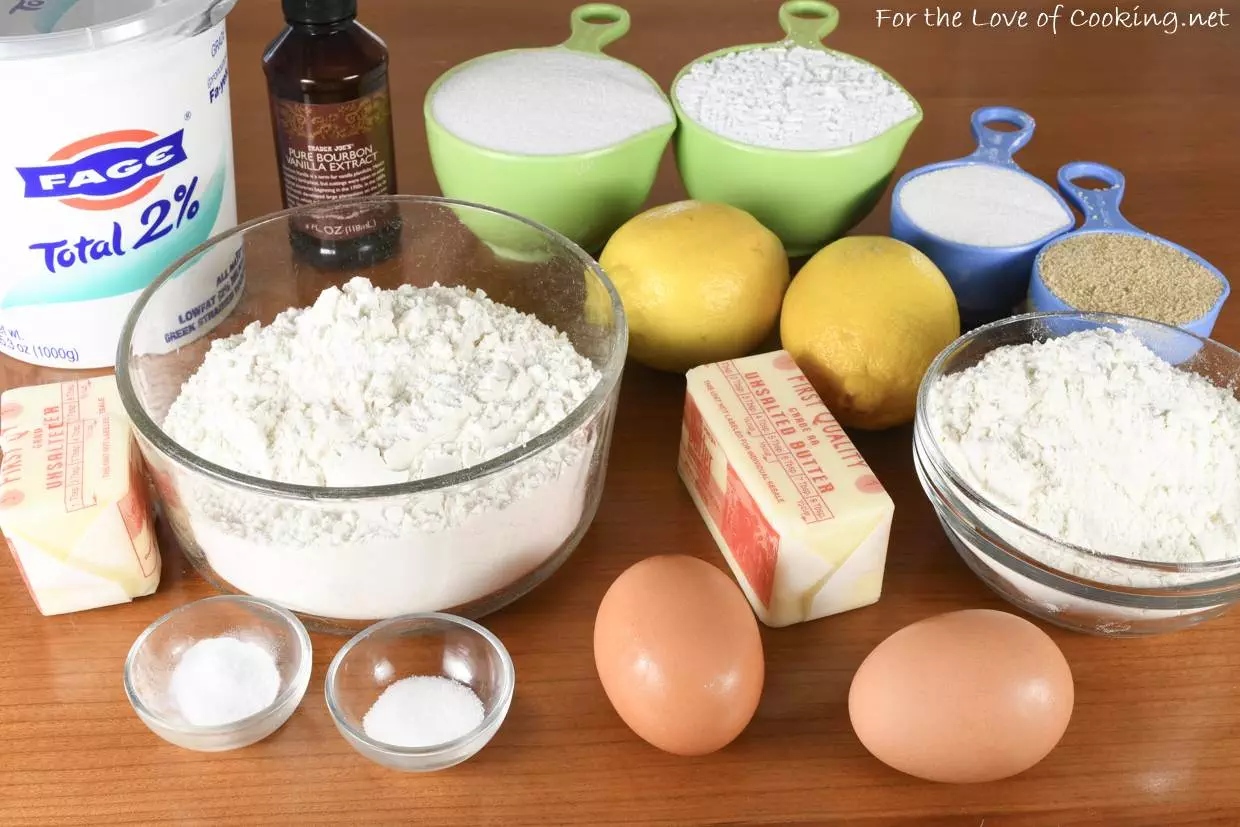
(54, 28)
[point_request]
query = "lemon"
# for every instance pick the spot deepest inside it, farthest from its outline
(597, 307)
(700, 283)
(864, 319)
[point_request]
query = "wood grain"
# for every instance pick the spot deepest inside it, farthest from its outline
(1155, 738)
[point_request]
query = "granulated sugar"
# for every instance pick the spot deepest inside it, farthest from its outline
(791, 97)
(371, 387)
(1129, 275)
(983, 205)
(549, 102)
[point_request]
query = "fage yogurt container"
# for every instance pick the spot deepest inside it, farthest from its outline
(115, 161)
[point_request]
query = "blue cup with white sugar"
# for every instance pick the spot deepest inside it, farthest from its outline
(982, 219)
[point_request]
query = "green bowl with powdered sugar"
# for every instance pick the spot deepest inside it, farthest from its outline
(529, 131)
(808, 184)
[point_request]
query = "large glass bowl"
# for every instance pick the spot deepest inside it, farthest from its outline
(1034, 571)
(467, 542)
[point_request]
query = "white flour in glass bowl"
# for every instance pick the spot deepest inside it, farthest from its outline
(374, 387)
(1096, 441)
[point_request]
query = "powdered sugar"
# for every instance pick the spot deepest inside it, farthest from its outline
(982, 204)
(1093, 439)
(371, 387)
(791, 97)
(549, 102)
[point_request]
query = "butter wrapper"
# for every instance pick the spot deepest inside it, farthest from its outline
(74, 506)
(794, 508)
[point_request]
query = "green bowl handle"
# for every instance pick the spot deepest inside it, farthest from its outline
(595, 26)
(807, 22)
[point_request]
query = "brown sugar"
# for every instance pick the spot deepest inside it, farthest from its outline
(1129, 275)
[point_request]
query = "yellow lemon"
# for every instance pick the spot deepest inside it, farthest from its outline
(864, 319)
(597, 307)
(700, 283)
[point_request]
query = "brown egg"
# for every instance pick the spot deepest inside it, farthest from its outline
(963, 697)
(679, 654)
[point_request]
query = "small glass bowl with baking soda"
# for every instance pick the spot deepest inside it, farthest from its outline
(253, 649)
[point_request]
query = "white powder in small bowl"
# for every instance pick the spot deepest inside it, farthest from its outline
(549, 102)
(423, 711)
(983, 205)
(791, 97)
(222, 680)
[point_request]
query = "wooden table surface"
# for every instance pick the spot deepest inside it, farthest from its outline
(1155, 738)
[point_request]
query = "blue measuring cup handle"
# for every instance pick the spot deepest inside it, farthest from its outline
(993, 146)
(1100, 207)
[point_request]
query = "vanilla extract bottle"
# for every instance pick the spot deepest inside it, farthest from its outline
(327, 79)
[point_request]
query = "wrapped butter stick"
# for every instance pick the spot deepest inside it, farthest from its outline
(795, 509)
(74, 506)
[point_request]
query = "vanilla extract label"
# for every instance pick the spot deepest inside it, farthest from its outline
(336, 152)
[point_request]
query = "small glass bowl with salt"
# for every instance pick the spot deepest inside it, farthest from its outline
(220, 673)
(421, 692)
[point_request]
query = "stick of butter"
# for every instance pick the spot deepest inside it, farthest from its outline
(74, 506)
(799, 515)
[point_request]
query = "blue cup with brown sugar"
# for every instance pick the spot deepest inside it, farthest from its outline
(1122, 269)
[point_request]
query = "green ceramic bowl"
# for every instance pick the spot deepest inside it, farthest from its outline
(585, 196)
(806, 197)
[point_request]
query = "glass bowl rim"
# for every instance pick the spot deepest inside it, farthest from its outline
(146, 428)
(305, 653)
(434, 621)
(922, 435)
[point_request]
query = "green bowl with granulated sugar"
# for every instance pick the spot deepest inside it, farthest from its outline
(563, 158)
(806, 196)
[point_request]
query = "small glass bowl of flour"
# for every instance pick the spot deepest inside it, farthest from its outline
(426, 434)
(220, 673)
(420, 693)
(1087, 468)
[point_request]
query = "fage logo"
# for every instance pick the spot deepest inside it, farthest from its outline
(106, 171)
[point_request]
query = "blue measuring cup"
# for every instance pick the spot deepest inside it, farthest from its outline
(1102, 215)
(989, 282)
